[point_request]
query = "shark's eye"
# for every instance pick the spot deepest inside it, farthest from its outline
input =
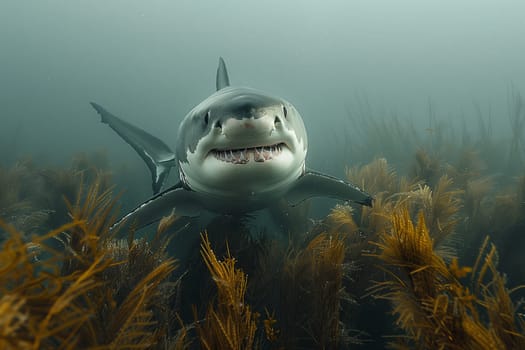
(207, 117)
(285, 111)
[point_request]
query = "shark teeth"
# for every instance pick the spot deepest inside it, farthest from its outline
(245, 155)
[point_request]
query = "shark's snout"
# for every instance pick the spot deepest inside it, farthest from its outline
(248, 127)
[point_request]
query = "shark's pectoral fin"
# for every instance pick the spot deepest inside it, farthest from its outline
(159, 175)
(222, 80)
(156, 154)
(177, 200)
(314, 184)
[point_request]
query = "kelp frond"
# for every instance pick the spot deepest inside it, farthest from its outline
(434, 308)
(313, 293)
(389, 190)
(32, 196)
(132, 322)
(374, 177)
(505, 317)
(12, 320)
(17, 202)
(47, 310)
(230, 323)
(93, 293)
(476, 190)
(327, 257)
(95, 206)
(445, 206)
(341, 219)
(440, 206)
(427, 167)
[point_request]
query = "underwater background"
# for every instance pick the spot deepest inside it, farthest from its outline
(419, 103)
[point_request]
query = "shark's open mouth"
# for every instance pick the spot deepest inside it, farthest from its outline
(244, 155)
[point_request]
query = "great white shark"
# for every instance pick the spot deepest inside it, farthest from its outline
(238, 151)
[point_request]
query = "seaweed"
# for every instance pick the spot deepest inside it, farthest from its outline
(434, 307)
(439, 205)
(323, 285)
(78, 296)
(427, 167)
(313, 293)
(16, 199)
(230, 324)
(32, 197)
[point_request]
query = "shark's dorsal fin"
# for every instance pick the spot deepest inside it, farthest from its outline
(222, 75)
(156, 154)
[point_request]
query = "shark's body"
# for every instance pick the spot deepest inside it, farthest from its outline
(238, 151)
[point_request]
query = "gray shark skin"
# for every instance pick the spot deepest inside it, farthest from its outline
(238, 151)
(222, 79)
(156, 154)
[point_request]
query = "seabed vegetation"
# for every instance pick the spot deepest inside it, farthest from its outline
(436, 263)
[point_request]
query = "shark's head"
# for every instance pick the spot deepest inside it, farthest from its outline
(239, 150)
(241, 141)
